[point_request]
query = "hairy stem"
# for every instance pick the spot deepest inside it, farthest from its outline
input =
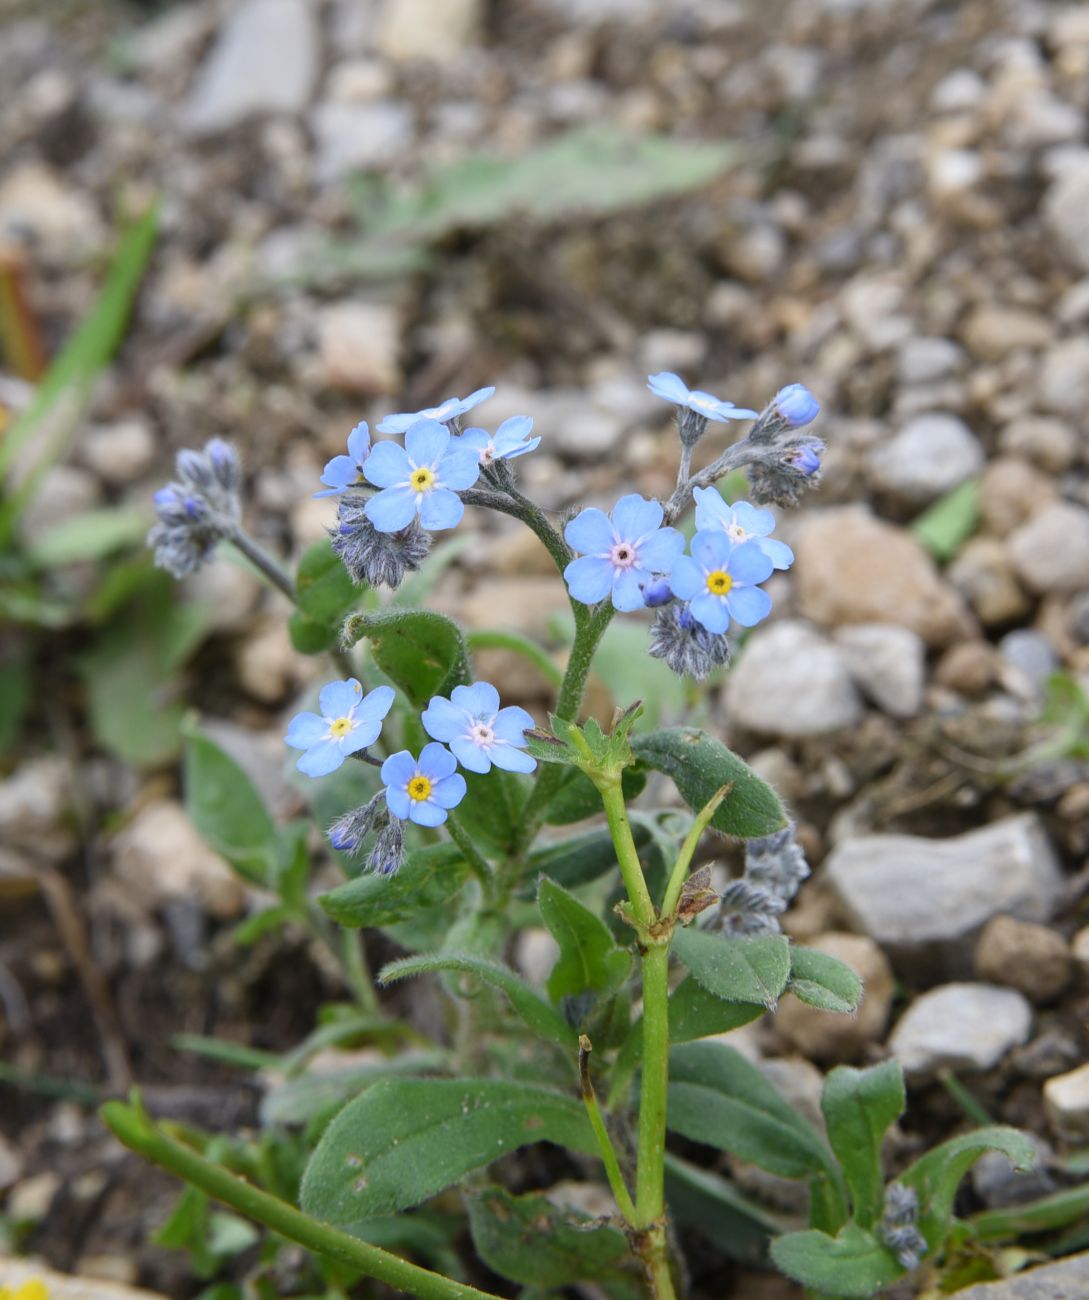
(260, 558)
(478, 863)
(132, 1126)
(605, 1144)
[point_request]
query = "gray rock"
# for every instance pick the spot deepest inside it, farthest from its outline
(983, 572)
(924, 900)
(119, 453)
(1064, 380)
(1046, 441)
(790, 681)
(1064, 207)
(960, 1027)
(265, 60)
(1066, 1280)
(888, 662)
(1051, 551)
(585, 433)
(351, 137)
(1031, 657)
(1066, 1100)
(921, 361)
(929, 456)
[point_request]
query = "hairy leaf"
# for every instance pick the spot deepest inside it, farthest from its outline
(854, 1263)
(589, 959)
(428, 877)
(734, 968)
(823, 981)
(859, 1106)
(421, 652)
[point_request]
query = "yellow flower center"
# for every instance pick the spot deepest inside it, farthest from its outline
(422, 480)
(340, 728)
(34, 1289)
(719, 582)
(419, 788)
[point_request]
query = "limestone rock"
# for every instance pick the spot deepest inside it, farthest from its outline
(1025, 956)
(1064, 207)
(790, 681)
(359, 344)
(992, 331)
(1051, 551)
(923, 900)
(421, 29)
(853, 568)
(962, 1027)
(1064, 380)
(888, 663)
(1066, 1280)
(931, 455)
(1066, 1099)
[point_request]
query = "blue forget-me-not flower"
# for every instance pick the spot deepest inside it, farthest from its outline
(422, 479)
(478, 731)
(742, 522)
(450, 409)
(807, 459)
(423, 790)
(509, 440)
(344, 472)
(621, 553)
(796, 405)
(673, 388)
(719, 580)
(349, 722)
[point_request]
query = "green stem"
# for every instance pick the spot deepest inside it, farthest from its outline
(688, 848)
(269, 568)
(478, 863)
(131, 1125)
(627, 855)
(605, 1144)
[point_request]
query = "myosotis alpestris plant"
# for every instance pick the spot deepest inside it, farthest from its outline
(452, 808)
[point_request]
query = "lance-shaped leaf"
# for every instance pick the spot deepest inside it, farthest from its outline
(699, 765)
(428, 877)
(421, 652)
(534, 1010)
(734, 968)
(407, 1139)
(859, 1106)
(854, 1263)
(823, 981)
(582, 858)
(227, 810)
(589, 960)
(324, 593)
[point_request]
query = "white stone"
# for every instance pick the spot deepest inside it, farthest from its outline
(118, 453)
(34, 801)
(422, 29)
(1066, 1099)
(1051, 551)
(790, 681)
(921, 361)
(961, 1027)
(359, 343)
(265, 60)
(1064, 380)
(34, 201)
(888, 662)
(1064, 207)
(931, 455)
(354, 137)
(924, 900)
(1066, 1280)
(17, 1271)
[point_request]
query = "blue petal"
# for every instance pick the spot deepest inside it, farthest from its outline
(670, 386)
(477, 439)
(472, 757)
(459, 468)
(443, 720)
(711, 611)
(386, 465)
(440, 508)
(510, 724)
(359, 442)
(590, 533)
(711, 510)
(751, 521)
(426, 441)
(338, 699)
(686, 578)
(634, 516)
(306, 729)
(474, 399)
(398, 423)
(375, 704)
(711, 549)
(659, 552)
(481, 699)
(340, 472)
(749, 605)
(514, 430)
(511, 759)
(436, 761)
(364, 734)
(426, 813)
(589, 579)
(779, 553)
(323, 758)
(449, 791)
(398, 769)
(398, 802)
(391, 509)
(627, 590)
(520, 450)
(748, 564)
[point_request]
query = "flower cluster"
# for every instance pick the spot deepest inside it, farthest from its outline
(775, 866)
(899, 1229)
(197, 509)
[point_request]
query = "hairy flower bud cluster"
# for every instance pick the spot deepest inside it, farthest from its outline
(374, 558)
(775, 866)
(685, 645)
(197, 509)
(898, 1228)
(348, 833)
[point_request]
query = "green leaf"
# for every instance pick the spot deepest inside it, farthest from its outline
(823, 981)
(526, 1239)
(324, 594)
(945, 526)
(718, 1098)
(699, 766)
(491, 811)
(88, 537)
(15, 689)
(421, 652)
(589, 960)
(534, 1010)
(428, 877)
(225, 807)
(859, 1106)
(1042, 1215)
(407, 1139)
(733, 968)
(583, 858)
(703, 1200)
(937, 1175)
(854, 1263)
(307, 1097)
(577, 797)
